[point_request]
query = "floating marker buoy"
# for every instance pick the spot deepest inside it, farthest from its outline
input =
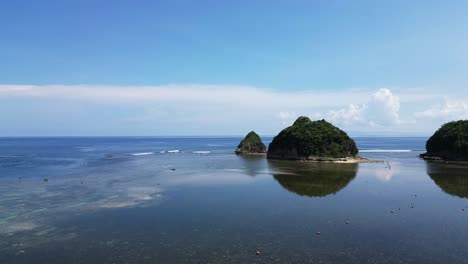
(257, 252)
(318, 233)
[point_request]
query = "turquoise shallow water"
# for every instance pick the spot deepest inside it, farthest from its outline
(137, 200)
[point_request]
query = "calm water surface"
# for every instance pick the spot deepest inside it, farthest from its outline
(138, 200)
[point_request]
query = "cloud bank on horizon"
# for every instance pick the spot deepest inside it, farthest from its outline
(196, 109)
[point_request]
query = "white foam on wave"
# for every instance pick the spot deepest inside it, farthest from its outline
(201, 152)
(173, 151)
(384, 150)
(85, 149)
(142, 153)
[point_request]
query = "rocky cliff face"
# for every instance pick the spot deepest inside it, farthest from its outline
(251, 144)
(307, 140)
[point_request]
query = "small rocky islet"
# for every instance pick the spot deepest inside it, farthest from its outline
(305, 140)
(449, 142)
(252, 144)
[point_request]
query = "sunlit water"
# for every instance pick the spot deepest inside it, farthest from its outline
(139, 200)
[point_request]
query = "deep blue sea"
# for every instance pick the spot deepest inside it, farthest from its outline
(192, 200)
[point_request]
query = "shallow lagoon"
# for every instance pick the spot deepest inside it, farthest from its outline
(120, 200)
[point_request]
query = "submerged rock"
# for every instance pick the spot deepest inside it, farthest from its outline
(307, 140)
(251, 144)
(449, 142)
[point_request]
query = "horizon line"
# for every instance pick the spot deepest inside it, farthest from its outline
(194, 136)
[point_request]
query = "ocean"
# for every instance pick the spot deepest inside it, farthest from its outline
(192, 200)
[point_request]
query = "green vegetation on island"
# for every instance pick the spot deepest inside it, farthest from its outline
(307, 140)
(449, 142)
(251, 144)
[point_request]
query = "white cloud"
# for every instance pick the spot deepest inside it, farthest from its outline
(450, 110)
(382, 109)
(214, 109)
(353, 114)
(287, 118)
(239, 96)
(166, 109)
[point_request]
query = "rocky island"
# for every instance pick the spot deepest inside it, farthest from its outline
(252, 144)
(449, 142)
(314, 141)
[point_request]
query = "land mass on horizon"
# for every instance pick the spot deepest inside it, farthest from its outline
(449, 142)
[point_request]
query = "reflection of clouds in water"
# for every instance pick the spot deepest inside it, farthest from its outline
(33, 205)
(228, 176)
(142, 193)
(32, 210)
(380, 170)
(33, 222)
(252, 165)
(384, 175)
(117, 204)
(12, 227)
(248, 171)
(233, 170)
(132, 196)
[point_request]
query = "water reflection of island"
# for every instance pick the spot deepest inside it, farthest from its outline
(252, 164)
(313, 179)
(451, 178)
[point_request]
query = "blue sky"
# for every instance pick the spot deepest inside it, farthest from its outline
(227, 67)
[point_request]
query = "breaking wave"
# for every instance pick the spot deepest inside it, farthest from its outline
(142, 153)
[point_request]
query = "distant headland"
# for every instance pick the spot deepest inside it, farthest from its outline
(449, 142)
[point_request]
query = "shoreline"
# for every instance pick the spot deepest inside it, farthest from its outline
(426, 157)
(357, 159)
(250, 154)
(332, 160)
